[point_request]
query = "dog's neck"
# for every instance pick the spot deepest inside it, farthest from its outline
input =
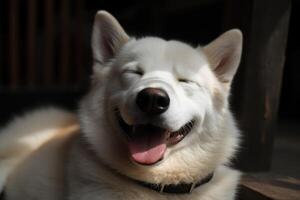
(180, 188)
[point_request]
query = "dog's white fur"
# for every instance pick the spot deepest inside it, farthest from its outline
(43, 156)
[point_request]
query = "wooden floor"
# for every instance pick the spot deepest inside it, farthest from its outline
(286, 154)
(283, 181)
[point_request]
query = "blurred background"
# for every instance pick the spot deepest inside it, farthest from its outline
(45, 59)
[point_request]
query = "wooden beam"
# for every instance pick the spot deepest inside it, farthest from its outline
(48, 65)
(257, 91)
(31, 43)
(65, 42)
(78, 35)
(14, 43)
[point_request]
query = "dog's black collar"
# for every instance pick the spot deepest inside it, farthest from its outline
(182, 188)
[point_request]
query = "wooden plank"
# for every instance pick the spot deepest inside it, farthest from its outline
(48, 64)
(246, 193)
(3, 47)
(65, 43)
(14, 43)
(265, 31)
(269, 186)
(31, 43)
(79, 53)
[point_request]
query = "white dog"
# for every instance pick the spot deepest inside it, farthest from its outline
(155, 125)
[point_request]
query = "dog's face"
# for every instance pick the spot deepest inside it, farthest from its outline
(157, 110)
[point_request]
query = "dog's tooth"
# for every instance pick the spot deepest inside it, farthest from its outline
(169, 134)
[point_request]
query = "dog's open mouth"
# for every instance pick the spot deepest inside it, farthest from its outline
(147, 143)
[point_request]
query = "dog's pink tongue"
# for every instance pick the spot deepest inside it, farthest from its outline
(148, 144)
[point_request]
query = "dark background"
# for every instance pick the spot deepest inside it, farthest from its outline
(45, 55)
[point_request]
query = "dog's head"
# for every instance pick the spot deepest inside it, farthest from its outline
(157, 109)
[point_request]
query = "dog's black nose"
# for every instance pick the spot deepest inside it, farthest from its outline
(153, 101)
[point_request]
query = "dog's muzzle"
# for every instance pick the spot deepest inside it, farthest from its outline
(147, 142)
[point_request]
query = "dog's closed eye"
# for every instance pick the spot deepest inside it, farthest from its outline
(188, 83)
(183, 80)
(134, 71)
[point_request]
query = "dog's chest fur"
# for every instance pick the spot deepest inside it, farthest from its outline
(101, 182)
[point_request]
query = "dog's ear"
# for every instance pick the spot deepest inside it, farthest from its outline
(224, 54)
(107, 38)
